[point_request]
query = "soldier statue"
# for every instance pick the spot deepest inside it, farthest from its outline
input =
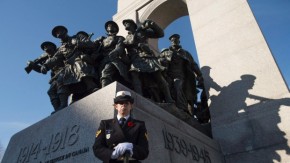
(112, 56)
(78, 77)
(87, 48)
(143, 60)
(91, 49)
(183, 73)
(50, 49)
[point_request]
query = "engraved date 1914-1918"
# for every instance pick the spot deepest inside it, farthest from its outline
(57, 141)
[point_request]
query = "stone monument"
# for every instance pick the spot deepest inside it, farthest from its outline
(68, 135)
(248, 112)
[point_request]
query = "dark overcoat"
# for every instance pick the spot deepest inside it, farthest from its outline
(110, 134)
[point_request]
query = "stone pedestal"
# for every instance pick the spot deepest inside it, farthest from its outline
(249, 97)
(68, 135)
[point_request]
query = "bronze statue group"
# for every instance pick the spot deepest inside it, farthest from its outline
(81, 66)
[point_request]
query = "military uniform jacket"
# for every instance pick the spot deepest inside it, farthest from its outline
(113, 52)
(110, 134)
(75, 68)
(191, 70)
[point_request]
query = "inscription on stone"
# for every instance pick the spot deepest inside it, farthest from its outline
(180, 146)
(69, 155)
(57, 141)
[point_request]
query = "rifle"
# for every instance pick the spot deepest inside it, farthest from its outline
(90, 36)
(72, 55)
(31, 64)
(126, 156)
(97, 53)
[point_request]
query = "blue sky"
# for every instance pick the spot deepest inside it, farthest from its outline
(26, 24)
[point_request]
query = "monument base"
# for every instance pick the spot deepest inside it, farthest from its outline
(68, 135)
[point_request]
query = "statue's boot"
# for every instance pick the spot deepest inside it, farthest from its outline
(137, 84)
(63, 98)
(155, 95)
(105, 82)
(138, 89)
(55, 103)
(166, 93)
(91, 86)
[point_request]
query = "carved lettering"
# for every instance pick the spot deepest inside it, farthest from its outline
(69, 155)
(73, 138)
(180, 146)
(57, 141)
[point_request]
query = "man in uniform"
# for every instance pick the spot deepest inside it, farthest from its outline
(78, 76)
(49, 48)
(122, 135)
(143, 60)
(112, 66)
(183, 72)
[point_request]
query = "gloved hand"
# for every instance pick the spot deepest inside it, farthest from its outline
(115, 154)
(122, 147)
(74, 42)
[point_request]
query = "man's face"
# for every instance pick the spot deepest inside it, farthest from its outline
(111, 28)
(123, 108)
(60, 34)
(128, 26)
(82, 37)
(174, 41)
(48, 49)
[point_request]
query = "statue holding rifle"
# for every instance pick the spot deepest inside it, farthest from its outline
(113, 66)
(49, 48)
(78, 77)
(143, 59)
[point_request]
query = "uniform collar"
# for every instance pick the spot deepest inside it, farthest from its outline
(127, 117)
(175, 48)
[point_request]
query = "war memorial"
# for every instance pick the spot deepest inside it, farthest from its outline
(241, 87)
